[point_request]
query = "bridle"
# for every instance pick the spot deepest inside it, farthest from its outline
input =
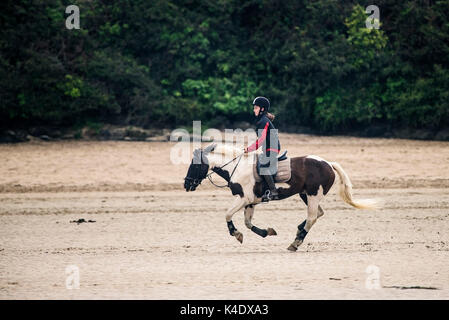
(219, 169)
(194, 181)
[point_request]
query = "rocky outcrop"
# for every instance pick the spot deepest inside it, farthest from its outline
(128, 133)
(133, 133)
(105, 132)
(11, 136)
(442, 135)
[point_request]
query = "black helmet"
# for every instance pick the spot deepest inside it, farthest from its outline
(262, 102)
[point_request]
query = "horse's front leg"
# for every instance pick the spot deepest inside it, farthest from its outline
(237, 205)
(249, 212)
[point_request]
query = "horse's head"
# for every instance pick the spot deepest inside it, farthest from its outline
(198, 168)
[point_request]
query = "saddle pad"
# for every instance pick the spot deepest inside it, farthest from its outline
(284, 171)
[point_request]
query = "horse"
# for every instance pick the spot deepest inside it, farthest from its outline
(311, 178)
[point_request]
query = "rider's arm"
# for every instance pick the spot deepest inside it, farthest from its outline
(261, 139)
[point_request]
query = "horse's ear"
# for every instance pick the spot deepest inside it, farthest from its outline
(209, 148)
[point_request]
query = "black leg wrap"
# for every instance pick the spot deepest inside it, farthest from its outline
(301, 234)
(260, 232)
(302, 225)
(231, 228)
(303, 197)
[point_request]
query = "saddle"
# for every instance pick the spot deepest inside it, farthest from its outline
(284, 172)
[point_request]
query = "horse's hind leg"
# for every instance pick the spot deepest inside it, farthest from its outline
(314, 211)
(249, 212)
(302, 225)
(320, 211)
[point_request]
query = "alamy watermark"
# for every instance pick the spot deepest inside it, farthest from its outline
(373, 21)
(72, 280)
(73, 20)
(372, 281)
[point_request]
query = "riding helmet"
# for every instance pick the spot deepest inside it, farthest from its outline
(262, 102)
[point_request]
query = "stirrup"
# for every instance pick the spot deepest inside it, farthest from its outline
(267, 196)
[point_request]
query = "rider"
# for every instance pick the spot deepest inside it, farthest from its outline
(268, 139)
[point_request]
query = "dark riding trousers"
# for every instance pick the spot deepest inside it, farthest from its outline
(267, 163)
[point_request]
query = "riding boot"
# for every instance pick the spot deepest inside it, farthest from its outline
(272, 194)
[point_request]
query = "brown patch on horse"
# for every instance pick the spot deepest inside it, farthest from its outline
(319, 173)
(258, 189)
(236, 188)
(308, 175)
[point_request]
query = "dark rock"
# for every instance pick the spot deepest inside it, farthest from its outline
(38, 131)
(31, 138)
(442, 135)
(78, 221)
(423, 134)
(117, 133)
(13, 136)
(81, 221)
(55, 133)
(68, 136)
(5, 137)
(375, 131)
(87, 133)
(158, 139)
(140, 134)
(419, 134)
(45, 131)
(135, 133)
(105, 134)
(45, 137)
(128, 133)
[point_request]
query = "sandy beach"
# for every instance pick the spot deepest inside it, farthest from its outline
(149, 239)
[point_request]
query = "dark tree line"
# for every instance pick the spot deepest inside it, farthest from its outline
(166, 63)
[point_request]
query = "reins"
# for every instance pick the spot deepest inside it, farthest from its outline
(219, 169)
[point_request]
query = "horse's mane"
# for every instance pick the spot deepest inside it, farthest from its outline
(223, 152)
(227, 150)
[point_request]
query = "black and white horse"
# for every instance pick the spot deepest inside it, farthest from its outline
(311, 178)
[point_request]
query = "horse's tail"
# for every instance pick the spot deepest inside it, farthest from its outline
(346, 190)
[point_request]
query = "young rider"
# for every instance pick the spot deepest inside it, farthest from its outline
(268, 139)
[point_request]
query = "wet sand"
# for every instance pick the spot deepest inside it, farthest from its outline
(152, 240)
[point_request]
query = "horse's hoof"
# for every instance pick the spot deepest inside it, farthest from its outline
(294, 246)
(271, 232)
(239, 236)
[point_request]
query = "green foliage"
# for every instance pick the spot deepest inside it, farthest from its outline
(166, 63)
(366, 43)
(221, 95)
(340, 110)
(422, 103)
(71, 86)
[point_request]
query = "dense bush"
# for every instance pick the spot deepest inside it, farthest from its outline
(166, 63)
